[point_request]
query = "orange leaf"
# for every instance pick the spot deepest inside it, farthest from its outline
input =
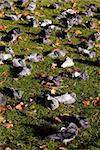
(9, 125)
(98, 72)
(86, 103)
(20, 106)
(78, 32)
(3, 108)
(97, 45)
(3, 27)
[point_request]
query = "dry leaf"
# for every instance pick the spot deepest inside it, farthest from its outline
(7, 148)
(98, 72)
(3, 108)
(53, 65)
(20, 106)
(97, 45)
(86, 103)
(57, 120)
(1, 119)
(43, 147)
(78, 32)
(3, 27)
(53, 91)
(9, 125)
(62, 148)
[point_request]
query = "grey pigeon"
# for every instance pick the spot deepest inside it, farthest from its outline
(2, 99)
(34, 57)
(51, 103)
(31, 6)
(86, 52)
(5, 56)
(55, 80)
(26, 70)
(18, 62)
(65, 134)
(57, 53)
(12, 35)
(13, 17)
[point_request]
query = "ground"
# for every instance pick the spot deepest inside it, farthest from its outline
(29, 123)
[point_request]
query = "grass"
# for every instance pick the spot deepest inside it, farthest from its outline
(28, 125)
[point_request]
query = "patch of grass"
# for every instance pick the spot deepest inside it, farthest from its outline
(28, 128)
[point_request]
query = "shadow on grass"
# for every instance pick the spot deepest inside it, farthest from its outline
(88, 62)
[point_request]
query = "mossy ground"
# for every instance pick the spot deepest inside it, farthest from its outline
(27, 130)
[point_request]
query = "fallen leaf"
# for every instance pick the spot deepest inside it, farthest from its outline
(3, 108)
(86, 103)
(97, 45)
(43, 147)
(1, 119)
(53, 91)
(78, 32)
(63, 148)
(98, 72)
(53, 65)
(20, 106)
(9, 125)
(7, 148)
(3, 28)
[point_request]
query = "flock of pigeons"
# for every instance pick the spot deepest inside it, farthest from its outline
(67, 19)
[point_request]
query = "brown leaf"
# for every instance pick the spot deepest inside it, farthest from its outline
(3, 28)
(7, 148)
(53, 91)
(20, 106)
(3, 108)
(9, 125)
(53, 65)
(43, 147)
(86, 103)
(78, 32)
(97, 45)
(98, 72)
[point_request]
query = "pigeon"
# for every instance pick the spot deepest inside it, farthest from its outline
(68, 63)
(5, 56)
(2, 99)
(93, 7)
(98, 61)
(14, 92)
(90, 54)
(57, 53)
(26, 70)
(94, 37)
(66, 98)
(51, 103)
(33, 23)
(12, 35)
(81, 121)
(55, 80)
(65, 134)
(76, 74)
(18, 62)
(64, 35)
(21, 2)
(9, 4)
(90, 24)
(13, 17)
(89, 12)
(35, 57)
(85, 44)
(55, 5)
(45, 33)
(46, 22)
(31, 6)
(53, 27)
